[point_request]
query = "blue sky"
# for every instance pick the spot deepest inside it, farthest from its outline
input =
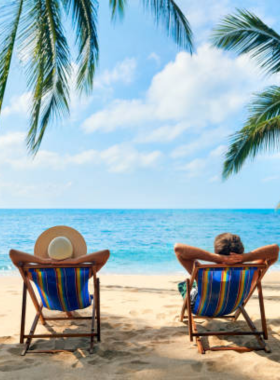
(153, 132)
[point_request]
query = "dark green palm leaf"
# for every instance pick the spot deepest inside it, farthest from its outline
(43, 48)
(48, 67)
(117, 7)
(261, 132)
(265, 105)
(243, 33)
(84, 17)
(170, 15)
(10, 16)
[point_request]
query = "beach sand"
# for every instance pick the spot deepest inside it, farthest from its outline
(142, 337)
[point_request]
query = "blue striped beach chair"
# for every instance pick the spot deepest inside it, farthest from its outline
(223, 291)
(63, 288)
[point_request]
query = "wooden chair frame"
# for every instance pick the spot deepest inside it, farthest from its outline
(261, 336)
(27, 287)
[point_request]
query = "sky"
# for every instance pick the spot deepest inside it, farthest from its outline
(153, 132)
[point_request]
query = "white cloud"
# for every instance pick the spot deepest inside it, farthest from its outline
(33, 191)
(219, 151)
(194, 167)
(163, 134)
(265, 155)
(204, 89)
(120, 114)
(19, 104)
(11, 146)
(206, 165)
(82, 158)
(10, 139)
(204, 13)
(154, 57)
(205, 139)
(270, 178)
(122, 158)
(118, 158)
(123, 72)
(43, 159)
(215, 178)
(78, 101)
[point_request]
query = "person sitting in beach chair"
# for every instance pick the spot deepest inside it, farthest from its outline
(60, 269)
(224, 288)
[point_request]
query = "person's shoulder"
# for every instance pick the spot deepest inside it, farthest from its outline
(178, 247)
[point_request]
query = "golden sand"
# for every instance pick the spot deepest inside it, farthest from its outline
(142, 337)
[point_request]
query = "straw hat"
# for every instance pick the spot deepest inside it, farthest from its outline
(60, 243)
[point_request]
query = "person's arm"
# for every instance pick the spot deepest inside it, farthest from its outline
(187, 256)
(267, 253)
(100, 258)
(22, 257)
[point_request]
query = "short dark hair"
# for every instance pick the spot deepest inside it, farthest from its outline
(226, 243)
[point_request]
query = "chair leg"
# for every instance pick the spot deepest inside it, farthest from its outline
(98, 311)
(32, 330)
(92, 328)
(184, 307)
(23, 313)
(250, 323)
(32, 295)
(237, 314)
(190, 319)
(262, 311)
(198, 339)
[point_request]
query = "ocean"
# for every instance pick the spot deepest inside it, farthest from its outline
(140, 241)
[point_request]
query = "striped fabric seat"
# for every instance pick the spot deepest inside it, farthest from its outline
(63, 289)
(222, 290)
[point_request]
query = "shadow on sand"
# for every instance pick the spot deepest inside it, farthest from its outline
(130, 349)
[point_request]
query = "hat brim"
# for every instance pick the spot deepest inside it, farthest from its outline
(43, 241)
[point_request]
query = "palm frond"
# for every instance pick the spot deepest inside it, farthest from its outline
(48, 67)
(170, 15)
(265, 105)
(84, 19)
(243, 32)
(10, 18)
(260, 133)
(117, 7)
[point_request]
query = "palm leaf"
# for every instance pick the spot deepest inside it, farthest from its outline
(170, 15)
(117, 7)
(84, 19)
(10, 16)
(49, 67)
(37, 24)
(243, 32)
(265, 106)
(261, 132)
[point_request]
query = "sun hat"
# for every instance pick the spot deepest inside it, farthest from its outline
(60, 248)
(60, 243)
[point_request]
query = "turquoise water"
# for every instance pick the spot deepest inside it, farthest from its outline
(140, 241)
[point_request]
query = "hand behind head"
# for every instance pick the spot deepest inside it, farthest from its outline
(233, 258)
